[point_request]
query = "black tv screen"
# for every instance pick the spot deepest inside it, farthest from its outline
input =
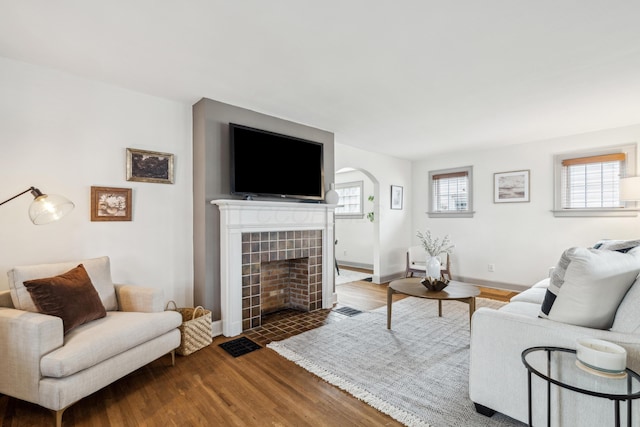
(270, 164)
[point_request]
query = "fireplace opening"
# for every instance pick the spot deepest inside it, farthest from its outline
(285, 284)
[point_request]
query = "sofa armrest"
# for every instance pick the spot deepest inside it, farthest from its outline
(5, 299)
(26, 337)
(497, 376)
(140, 298)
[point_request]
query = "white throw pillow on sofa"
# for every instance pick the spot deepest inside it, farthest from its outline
(588, 285)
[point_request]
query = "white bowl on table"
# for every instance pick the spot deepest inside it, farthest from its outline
(603, 356)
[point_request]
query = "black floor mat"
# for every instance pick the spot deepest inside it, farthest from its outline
(347, 311)
(239, 346)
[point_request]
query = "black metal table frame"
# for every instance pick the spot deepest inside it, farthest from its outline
(629, 397)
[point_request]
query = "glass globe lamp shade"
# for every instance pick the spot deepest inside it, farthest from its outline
(47, 208)
(630, 189)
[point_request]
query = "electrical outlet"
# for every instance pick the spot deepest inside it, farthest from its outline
(491, 268)
(345, 253)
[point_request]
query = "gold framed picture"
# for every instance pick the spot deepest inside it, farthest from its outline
(110, 204)
(149, 166)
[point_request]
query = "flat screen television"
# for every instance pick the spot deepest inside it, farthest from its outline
(269, 164)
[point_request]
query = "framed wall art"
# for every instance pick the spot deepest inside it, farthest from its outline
(396, 197)
(149, 166)
(110, 204)
(511, 187)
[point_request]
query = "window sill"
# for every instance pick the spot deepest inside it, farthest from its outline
(465, 214)
(621, 212)
(346, 216)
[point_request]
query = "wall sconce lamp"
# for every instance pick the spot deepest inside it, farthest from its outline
(630, 189)
(45, 208)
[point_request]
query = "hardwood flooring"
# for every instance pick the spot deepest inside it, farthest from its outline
(212, 388)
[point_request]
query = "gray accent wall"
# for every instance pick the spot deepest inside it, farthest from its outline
(211, 181)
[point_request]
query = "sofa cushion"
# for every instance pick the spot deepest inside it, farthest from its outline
(627, 319)
(544, 283)
(587, 285)
(533, 295)
(527, 309)
(97, 341)
(98, 269)
(70, 296)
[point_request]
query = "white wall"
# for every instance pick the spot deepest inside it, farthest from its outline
(64, 134)
(393, 227)
(355, 235)
(522, 239)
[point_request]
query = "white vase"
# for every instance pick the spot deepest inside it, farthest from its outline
(332, 197)
(433, 267)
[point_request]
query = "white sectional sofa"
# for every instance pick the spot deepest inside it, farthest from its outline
(44, 364)
(498, 377)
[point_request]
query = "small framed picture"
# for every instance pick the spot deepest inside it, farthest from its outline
(149, 166)
(396, 197)
(110, 204)
(511, 187)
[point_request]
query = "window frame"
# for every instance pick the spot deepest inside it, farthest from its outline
(354, 215)
(628, 168)
(467, 213)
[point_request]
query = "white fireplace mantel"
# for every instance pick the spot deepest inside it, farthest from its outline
(246, 216)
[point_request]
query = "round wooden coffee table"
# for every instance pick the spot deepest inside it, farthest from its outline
(455, 291)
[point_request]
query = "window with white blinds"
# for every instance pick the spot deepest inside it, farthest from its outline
(588, 183)
(592, 182)
(450, 192)
(350, 199)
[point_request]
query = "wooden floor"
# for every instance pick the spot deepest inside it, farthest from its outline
(212, 388)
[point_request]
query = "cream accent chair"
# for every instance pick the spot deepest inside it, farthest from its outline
(42, 365)
(417, 263)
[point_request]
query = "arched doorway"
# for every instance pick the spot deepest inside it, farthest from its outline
(359, 237)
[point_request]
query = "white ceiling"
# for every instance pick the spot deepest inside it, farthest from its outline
(407, 78)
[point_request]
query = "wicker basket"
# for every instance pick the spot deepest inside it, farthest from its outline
(195, 330)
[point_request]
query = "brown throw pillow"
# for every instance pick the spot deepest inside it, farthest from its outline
(70, 296)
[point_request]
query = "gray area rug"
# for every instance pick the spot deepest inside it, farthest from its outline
(417, 372)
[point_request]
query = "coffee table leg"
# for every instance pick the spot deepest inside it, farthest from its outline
(439, 308)
(389, 302)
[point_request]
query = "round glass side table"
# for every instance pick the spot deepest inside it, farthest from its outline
(560, 366)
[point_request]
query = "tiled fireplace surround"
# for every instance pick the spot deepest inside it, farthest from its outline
(259, 236)
(280, 269)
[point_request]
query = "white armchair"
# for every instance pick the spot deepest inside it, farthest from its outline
(417, 263)
(43, 365)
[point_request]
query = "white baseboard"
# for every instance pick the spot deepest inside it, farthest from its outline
(216, 328)
(492, 284)
(355, 265)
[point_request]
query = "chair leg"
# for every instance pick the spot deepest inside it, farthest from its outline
(58, 416)
(173, 358)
